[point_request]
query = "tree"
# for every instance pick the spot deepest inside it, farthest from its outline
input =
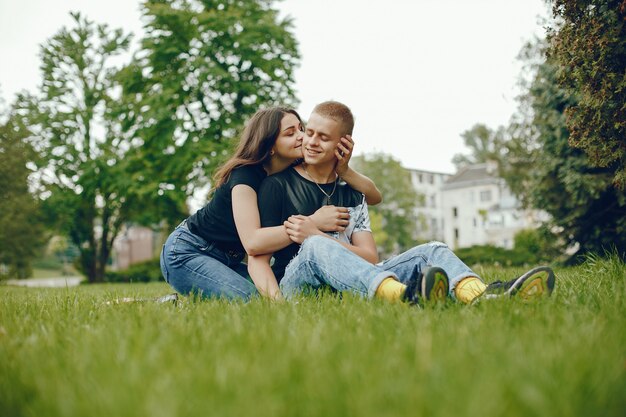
(82, 171)
(21, 228)
(204, 67)
(484, 143)
(542, 168)
(129, 145)
(394, 221)
(588, 50)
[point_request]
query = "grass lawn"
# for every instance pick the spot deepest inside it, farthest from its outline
(66, 352)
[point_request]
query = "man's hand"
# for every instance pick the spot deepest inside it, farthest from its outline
(300, 227)
(343, 152)
(331, 218)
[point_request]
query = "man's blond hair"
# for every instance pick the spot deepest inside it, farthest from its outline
(339, 112)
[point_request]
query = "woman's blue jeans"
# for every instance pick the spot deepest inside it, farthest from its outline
(191, 265)
(324, 262)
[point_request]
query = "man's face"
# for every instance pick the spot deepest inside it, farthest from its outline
(321, 137)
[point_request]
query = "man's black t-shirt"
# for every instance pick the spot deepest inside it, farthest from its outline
(214, 222)
(287, 193)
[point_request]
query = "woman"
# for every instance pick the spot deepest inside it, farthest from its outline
(204, 254)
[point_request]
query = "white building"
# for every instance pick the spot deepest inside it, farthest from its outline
(429, 210)
(479, 209)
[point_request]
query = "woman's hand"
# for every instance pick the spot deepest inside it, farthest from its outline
(331, 218)
(300, 227)
(343, 152)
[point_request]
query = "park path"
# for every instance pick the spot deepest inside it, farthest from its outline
(46, 282)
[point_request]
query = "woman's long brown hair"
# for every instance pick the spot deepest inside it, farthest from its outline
(256, 141)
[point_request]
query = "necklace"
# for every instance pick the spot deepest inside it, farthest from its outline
(328, 196)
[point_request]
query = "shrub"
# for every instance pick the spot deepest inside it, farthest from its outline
(489, 254)
(538, 245)
(147, 271)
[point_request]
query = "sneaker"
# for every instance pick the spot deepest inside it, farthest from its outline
(429, 286)
(534, 284)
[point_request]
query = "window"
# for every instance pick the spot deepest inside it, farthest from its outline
(455, 212)
(475, 222)
(485, 195)
(456, 233)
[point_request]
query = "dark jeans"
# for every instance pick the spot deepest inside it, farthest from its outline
(191, 265)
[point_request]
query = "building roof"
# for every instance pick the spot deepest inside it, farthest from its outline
(473, 175)
(423, 171)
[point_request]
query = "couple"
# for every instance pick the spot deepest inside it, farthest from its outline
(315, 226)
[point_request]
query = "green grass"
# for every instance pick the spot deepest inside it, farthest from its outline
(65, 352)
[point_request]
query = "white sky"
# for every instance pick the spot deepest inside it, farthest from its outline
(416, 73)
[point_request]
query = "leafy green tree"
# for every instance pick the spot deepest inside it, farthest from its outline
(131, 144)
(587, 211)
(21, 229)
(484, 144)
(588, 50)
(394, 221)
(203, 68)
(82, 172)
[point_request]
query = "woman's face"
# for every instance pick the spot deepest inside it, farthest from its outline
(289, 141)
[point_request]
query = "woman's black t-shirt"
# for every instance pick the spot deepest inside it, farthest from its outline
(214, 222)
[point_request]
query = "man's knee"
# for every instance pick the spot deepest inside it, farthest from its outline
(437, 244)
(317, 246)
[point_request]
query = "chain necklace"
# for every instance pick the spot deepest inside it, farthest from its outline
(328, 196)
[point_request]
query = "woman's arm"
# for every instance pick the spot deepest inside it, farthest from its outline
(356, 180)
(255, 239)
(263, 276)
(259, 240)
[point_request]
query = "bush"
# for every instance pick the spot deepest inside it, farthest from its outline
(532, 247)
(148, 271)
(489, 254)
(538, 245)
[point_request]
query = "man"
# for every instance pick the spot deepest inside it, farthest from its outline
(346, 260)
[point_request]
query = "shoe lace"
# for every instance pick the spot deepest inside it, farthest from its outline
(499, 285)
(411, 293)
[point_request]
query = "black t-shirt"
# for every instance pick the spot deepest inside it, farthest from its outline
(287, 193)
(214, 222)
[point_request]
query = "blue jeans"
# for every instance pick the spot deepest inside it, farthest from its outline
(324, 262)
(414, 260)
(191, 265)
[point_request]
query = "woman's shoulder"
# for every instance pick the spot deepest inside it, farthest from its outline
(247, 174)
(255, 169)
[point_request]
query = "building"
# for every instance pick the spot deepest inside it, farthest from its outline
(479, 209)
(430, 208)
(135, 244)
